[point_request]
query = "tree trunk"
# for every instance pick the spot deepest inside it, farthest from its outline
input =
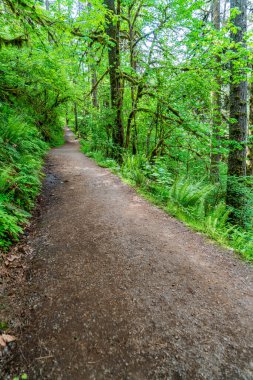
(216, 99)
(238, 124)
(94, 93)
(114, 72)
(47, 4)
(250, 147)
(76, 119)
(134, 67)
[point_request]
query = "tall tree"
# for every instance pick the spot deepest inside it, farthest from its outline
(215, 155)
(238, 116)
(250, 147)
(113, 32)
(94, 95)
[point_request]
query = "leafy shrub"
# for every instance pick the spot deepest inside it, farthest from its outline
(158, 172)
(242, 188)
(132, 169)
(98, 156)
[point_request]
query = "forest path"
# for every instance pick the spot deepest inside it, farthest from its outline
(120, 290)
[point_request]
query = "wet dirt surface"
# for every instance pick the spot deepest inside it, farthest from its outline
(117, 289)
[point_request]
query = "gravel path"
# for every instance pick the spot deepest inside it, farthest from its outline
(120, 290)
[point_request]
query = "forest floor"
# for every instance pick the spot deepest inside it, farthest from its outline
(117, 289)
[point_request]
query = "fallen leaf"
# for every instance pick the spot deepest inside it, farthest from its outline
(5, 338)
(2, 342)
(8, 338)
(12, 258)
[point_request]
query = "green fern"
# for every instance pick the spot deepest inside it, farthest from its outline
(217, 218)
(11, 221)
(21, 154)
(190, 198)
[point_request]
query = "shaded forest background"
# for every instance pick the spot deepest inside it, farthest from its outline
(158, 91)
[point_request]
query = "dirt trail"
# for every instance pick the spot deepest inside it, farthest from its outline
(120, 290)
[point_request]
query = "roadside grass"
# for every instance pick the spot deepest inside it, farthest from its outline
(199, 204)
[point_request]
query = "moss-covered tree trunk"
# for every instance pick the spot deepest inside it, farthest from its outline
(216, 100)
(238, 124)
(113, 29)
(250, 147)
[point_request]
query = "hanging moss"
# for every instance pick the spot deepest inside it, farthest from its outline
(16, 41)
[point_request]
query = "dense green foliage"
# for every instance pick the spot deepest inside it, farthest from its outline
(21, 154)
(173, 61)
(146, 86)
(33, 87)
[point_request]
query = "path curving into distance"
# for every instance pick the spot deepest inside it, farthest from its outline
(119, 290)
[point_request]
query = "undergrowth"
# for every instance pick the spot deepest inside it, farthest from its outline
(21, 159)
(199, 204)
